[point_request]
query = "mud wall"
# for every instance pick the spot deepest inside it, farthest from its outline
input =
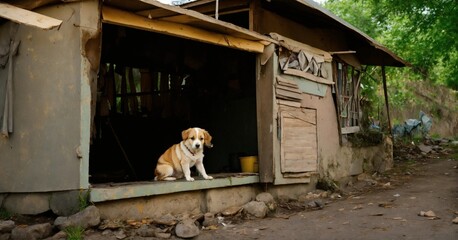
(46, 150)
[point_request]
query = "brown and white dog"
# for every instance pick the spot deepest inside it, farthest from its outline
(177, 160)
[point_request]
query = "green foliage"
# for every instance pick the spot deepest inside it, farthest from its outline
(423, 32)
(366, 138)
(74, 233)
(83, 199)
(4, 214)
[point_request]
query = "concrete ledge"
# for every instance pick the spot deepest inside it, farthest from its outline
(104, 192)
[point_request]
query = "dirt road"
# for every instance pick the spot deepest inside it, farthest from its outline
(389, 212)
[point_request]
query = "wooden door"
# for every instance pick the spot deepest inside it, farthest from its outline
(298, 143)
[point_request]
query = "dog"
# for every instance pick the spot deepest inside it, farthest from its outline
(176, 161)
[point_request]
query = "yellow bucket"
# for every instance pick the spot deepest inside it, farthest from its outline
(249, 164)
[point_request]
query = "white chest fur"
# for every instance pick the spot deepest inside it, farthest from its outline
(192, 158)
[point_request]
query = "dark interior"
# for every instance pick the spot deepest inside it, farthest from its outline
(152, 86)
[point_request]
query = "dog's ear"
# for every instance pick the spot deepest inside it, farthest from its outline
(207, 139)
(185, 133)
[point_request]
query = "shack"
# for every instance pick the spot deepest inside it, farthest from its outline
(93, 92)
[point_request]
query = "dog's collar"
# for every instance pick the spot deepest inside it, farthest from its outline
(189, 150)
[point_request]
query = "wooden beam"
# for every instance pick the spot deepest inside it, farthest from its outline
(347, 130)
(189, 19)
(119, 17)
(343, 52)
(211, 23)
(386, 99)
(335, 68)
(27, 17)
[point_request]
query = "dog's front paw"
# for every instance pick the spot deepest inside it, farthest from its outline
(209, 177)
(190, 179)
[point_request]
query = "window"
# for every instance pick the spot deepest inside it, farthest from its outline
(348, 96)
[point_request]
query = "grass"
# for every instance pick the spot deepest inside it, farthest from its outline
(83, 199)
(4, 214)
(74, 233)
(454, 153)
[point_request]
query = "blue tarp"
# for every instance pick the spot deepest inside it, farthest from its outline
(413, 127)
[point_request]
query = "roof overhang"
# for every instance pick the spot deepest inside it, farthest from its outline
(148, 15)
(368, 51)
(197, 24)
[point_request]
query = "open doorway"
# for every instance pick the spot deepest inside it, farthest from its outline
(153, 86)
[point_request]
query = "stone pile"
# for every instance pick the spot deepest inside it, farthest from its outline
(167, 226)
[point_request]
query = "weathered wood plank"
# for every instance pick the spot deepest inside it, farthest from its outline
(347, 130)
(288, 103)
(286, 88)
(202, 19)
(299, 151)
(27, 17)
(286, 82)
(308, 76)
(285, 94)
(119, 17)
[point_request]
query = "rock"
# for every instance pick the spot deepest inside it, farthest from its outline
(120, 234)
(268, 199)
(265, 198)
(311, 204)
(145, 231)
(364, 177)
(27, 203)
(65, 203)
(61, 235)
(308, 196)
(5, 236)
(106, 232)
(89, 217)
(357, 207)
(427, 214)
(186, 229)
(37, 231)
(148, 232)
(425, 149)
(335, 196)
(110, 224)
(455, 221)
(325, 194)
(271, 206)
(163, 235)
(315, 204)
(6, 226)
(231, 211)
(285, 198)
(257, 209)
(430, 214)
(168, 220)
(209, 220)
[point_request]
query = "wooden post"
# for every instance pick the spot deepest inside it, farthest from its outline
(335, 69)
(386, 99)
